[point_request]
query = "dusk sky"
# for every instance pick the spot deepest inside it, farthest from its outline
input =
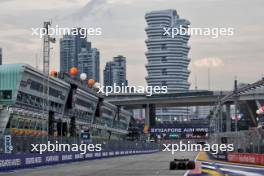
(123, 24)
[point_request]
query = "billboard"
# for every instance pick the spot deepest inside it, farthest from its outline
(178, 130)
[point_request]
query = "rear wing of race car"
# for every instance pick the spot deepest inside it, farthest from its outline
(182, 164)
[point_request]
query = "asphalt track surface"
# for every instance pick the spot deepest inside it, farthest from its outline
(140, 165)
(136, 165)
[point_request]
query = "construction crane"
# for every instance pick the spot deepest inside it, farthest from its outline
(46, 62)
(46, 47)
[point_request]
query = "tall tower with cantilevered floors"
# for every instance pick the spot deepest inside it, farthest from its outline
(167, 58)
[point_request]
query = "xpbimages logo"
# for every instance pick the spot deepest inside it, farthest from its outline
(206, 31)
(57, 147)
(124, 89)
(183, 147)
(60, 31)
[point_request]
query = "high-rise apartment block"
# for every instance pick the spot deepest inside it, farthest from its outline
(76, 51)
(89, 63)
(115, 72)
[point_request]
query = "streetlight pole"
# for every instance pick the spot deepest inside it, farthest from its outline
(221, 114)
(236, 114)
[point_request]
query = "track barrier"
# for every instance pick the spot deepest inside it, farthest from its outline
(9, 162)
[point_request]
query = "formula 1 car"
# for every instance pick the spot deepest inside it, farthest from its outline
(182, 164)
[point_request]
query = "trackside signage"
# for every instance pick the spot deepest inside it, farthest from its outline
(178, 130)
(247, 158)
(8, 144)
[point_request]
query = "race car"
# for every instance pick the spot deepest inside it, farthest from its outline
(182, 164)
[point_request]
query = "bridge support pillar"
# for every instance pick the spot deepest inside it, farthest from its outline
(251, 111)
(146, 115)
(228, 118)
(150, 115)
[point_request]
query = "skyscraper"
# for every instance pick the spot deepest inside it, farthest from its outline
(167, 57)
(67, 53)
(1, 56)
(70, 47)
(115, 72)
(108, 73)
(89, 63)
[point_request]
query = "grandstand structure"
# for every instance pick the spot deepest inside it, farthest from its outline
(65, 107)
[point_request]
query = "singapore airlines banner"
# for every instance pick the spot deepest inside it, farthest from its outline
(179, 130)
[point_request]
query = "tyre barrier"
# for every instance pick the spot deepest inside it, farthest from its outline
(9, 162)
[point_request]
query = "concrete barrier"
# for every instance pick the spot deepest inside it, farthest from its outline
(10, 162)
(246, 158)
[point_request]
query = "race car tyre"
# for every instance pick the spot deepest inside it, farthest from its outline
(191, 165)
(182, 165)
(173, 165)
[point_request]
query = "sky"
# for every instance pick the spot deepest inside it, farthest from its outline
(122, 21)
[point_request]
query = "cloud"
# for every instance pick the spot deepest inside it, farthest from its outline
(2, 1)
(209, 62)
(93, 7)
(123, 26)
